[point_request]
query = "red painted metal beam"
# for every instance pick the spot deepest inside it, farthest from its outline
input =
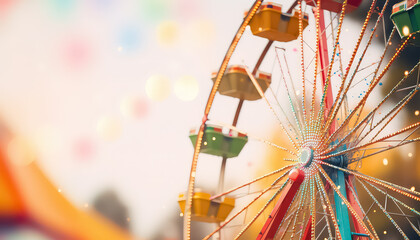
(353, 202)
(308, 230)
(324, 63)
(272, 224)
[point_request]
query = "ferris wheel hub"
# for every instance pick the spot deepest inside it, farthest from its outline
(306, 156)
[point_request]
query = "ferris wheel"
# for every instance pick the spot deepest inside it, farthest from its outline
(329, 118)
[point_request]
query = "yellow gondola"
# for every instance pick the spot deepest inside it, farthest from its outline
(206, 210)
(269, 22)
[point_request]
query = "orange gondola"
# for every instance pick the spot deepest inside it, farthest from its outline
(269, 22)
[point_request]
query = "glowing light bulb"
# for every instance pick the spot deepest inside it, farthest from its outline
(413, 188)
(410, 155)
(405, 73)
(417, 112)
(385, 161)
(405, 31)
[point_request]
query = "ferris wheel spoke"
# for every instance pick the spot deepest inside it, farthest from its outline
(325, 217)
(317, 12)
(292, 105)
(394, 111)
(323, 104)
(338, 101)
(261, 211)
(383, 210)
(344, 200)
(396, 200)
(328, 206)
(249, 204)
(366, 95)
(370, 115)
(261, 92)
(394, 187)
(403, 142)
(300, 206)
(387, 45)
(291, 212)
(286, 115)
(302, 63)
(256, 138)
(365, 217)
(254, 181)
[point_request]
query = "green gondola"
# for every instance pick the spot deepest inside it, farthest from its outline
(220, 143)
(406, 18)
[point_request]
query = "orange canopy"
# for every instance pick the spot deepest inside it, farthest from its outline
(28, 197)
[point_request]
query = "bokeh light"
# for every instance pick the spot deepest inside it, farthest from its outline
(76, 52)
(158, 87)
(83, 148)
(20, 152)
(167, 33)
(153, 10)
(109, 128)
(134, 107)
(186, 88)
(129, 38)
(417, 112)
(62, 7)
(203, 32)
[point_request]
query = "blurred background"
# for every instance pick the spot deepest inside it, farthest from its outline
(103, 93)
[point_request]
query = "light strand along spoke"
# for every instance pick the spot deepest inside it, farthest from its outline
(415, 125)
(395, 199)
(370, 89)
(339, 99)
(329, 207)
(368, 116)
(254, 181)
(247, 206)
(261, 210)
(302, 63)
(363, 212)
(288, 95)
(261, 92)
(257, 138)
(349, 207)
(396, 188)
(328, 79)
(383, 210)
(317, 10)
(300, 206)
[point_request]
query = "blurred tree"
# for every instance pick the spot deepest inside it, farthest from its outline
(110, 206)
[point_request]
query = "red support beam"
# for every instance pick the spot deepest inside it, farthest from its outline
(273, 222)
(308, 230)
(324, 65)
(353, 202)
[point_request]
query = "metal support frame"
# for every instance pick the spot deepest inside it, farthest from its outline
(273, 222)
